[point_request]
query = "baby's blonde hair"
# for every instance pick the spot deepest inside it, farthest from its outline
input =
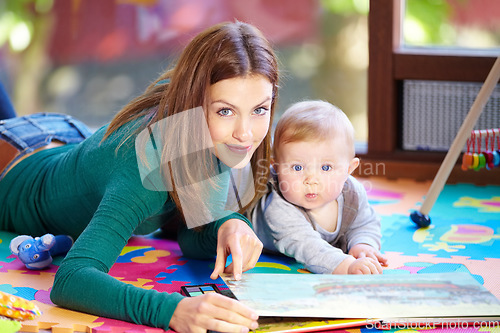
(312, 120)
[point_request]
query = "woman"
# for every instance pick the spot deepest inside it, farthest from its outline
(98, 192)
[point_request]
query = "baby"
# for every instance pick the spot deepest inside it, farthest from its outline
(315, 211)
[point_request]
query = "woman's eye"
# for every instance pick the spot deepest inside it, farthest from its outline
(225, 112)
(326, 167)
(297, 167)
(261, 111)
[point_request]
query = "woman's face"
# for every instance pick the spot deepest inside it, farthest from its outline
(239, 111)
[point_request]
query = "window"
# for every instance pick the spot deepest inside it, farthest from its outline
(451, 24)
(392, 63)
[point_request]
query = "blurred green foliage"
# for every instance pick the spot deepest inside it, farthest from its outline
(427, 22)
(348, 7)
(17, 21)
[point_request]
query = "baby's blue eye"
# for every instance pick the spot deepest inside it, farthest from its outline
(297, 167)
(326, 167)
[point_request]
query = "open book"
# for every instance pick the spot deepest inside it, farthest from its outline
(391, 299)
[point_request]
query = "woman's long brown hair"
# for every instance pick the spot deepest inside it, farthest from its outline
(224, 51)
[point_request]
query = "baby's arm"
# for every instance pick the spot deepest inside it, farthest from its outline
(294, 236)
(368, 251)
(362, 265)
(364, 234)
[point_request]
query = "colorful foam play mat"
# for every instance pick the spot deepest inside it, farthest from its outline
(464, 237)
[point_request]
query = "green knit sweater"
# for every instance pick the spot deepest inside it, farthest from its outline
(93, 192)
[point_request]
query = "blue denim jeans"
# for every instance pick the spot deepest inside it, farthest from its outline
(31, 132)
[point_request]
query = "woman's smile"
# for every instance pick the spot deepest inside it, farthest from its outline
(237, 149)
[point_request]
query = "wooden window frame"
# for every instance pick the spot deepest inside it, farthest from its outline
(389, 64)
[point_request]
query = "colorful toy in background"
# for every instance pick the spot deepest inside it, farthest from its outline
(421, 217)
(13, 309)
(483, 152)
(477, 158)
(37, 253)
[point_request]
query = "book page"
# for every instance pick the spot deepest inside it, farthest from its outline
(365, 296)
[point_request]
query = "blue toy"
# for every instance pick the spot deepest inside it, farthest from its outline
(37, 253)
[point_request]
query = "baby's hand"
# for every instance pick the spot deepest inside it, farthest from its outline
(364, 250)
(365, 265)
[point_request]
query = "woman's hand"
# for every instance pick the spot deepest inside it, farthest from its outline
(365, 250)
(235, 237)
(212, 312)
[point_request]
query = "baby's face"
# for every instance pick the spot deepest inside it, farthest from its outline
(311, 174)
